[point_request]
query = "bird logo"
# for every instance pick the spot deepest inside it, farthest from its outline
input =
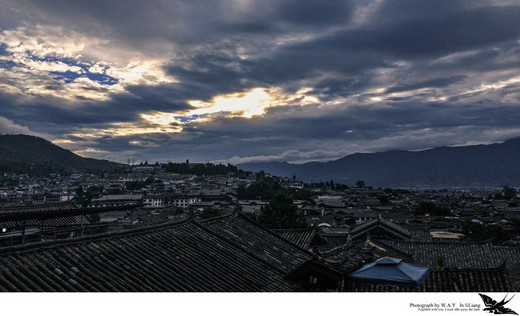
(497, 307)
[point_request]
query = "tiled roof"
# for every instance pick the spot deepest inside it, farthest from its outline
(463, 255)
(66, 206)
(300, 237)
(48, 222)
(421, 235)
(388, 226)
(118, 197)
(347, 258)
(308, 238)
(225, 254)
(465, 280)
(333, 242)
(259, 241)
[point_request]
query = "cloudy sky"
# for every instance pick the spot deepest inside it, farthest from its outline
(247, 80)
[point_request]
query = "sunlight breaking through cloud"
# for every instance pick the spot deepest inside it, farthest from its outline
(248, 104)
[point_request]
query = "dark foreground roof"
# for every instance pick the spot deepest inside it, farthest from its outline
(224, 254)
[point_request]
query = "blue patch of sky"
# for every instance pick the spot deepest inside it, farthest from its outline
(69, 76)
(3, 50)
(102, 78)
(185, 119)
(5, 63)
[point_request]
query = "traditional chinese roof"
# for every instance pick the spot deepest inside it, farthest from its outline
(45, 208)
(454, 280)
(223, 254)
(467, 280)
(463, 255)
(301, 237)
(49, 222)
(346, 258)
(259, 241)
(381, 224)
(333, 241)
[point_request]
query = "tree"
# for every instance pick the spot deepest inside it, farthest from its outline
(209, 212)
(509, 193)
(252, 216)
(94, 217)
(265, 189)
(499, 196)
(481, 232)
(281, 212)
(383, 198)
(242, 191)
(260, 175)
(432, 208)
(79, 192)
(440, 261)
(360, 184)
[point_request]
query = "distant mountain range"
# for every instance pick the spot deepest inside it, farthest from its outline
(475, 166)
(35, 155)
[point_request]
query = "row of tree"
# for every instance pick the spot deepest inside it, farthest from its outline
(200, 169)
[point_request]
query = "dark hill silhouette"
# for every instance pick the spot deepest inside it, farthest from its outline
(35, 155)
(466, 166)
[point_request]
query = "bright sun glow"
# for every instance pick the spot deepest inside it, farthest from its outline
(249, 104)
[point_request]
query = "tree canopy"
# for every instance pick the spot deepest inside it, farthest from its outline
(209, 212)
(432, 208)
(481, 232)
(281, 212)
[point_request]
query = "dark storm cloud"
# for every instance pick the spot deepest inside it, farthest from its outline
(420, 30)
(310, 12)
(350, 55)
(207, 76)
(431, 35)
(249, 27)
(120, 108)
(432, 83)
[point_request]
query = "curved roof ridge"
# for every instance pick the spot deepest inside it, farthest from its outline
(458, 242)
(130, 232)
(273, 233)
(67, 205)
(216, 218)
